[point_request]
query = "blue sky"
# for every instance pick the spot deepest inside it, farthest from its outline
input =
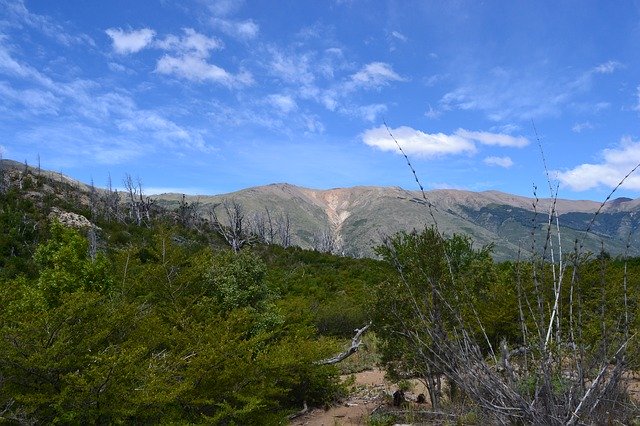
(211, 96)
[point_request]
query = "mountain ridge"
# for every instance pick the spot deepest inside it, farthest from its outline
(359, 217)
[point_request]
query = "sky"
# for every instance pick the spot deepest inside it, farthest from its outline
(212, 96)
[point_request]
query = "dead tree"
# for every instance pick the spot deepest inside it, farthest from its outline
(283, 225)
(93, 205)
(110, 203)
(258, 226)
(325, 242)
(188, 213)
(2, 174)
(356, 341)
(139, 205)
(232, 228)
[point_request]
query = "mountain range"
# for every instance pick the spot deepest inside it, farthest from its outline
(359, 218)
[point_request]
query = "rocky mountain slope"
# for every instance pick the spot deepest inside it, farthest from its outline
(358, 218)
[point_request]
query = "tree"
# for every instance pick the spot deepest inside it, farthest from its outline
(232, 228)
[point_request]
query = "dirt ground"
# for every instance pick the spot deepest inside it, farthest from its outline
(371, 390)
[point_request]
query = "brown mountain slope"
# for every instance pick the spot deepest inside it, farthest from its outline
(359, 217)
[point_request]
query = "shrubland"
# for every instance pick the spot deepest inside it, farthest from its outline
(130, 322)
(148, 316)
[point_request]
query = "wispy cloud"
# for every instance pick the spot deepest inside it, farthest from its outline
(373, 75)
(292, 68)
(243, 30)
(432, 113)
(615, 164)
(223, 7)
(579, 127)
(192, 42)
(125, 42)
(497, 139)
(398, 35)
(19, 15)
(284, 103)
(195, 68)
(37, 101)
(507, 93)
(368, 113)
(189, 60)
(505, 162)
(607, 67)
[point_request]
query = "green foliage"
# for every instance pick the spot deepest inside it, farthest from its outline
(435, 277)
(65, 266)
(164, 330)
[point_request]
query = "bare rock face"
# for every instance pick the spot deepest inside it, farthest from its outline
(72, 220)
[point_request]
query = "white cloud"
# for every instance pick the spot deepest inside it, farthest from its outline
(496, 139)
(579, 127)
(291, 68)
(508, 94)
(190, 60)
(3, 150)
(372, 75)
(607, 67)
(223, 7)
(125, 42)
(192, 42)
(432, 145)
(10, 66)
(284, 103)
(371, 112)
(507, 128)
(432, 113)
(416, 142)
(195, 68)
(244, 30)
(37, 101)
(19, 14)
(616, 163)
(505, 162)
(368, 113)
(399, 36)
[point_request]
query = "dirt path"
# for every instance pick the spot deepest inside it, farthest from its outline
(371, 390)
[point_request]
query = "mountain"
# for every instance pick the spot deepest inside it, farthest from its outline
(358, 218)
(355, 220)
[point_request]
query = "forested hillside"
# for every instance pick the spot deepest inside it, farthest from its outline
(115, 320)
(118, 311)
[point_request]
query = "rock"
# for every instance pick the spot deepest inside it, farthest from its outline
(72, 220)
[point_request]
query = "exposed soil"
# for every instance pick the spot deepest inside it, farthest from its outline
(370, 391)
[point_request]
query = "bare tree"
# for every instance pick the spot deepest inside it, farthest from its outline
(188, 213)
(232, 228)
(258, 226)
(2, 174)
(283, 227)
(324, 241)
(110, 200)
(139, 205)
(93, 205)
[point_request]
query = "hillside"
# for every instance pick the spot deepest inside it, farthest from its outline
(358, 218)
